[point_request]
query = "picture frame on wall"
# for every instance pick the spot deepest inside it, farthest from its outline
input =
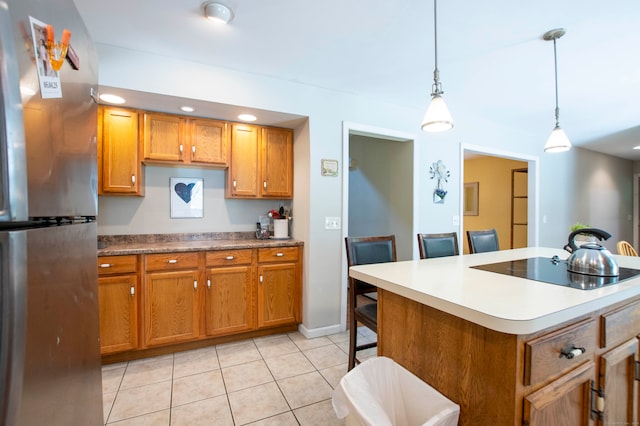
(471, 199)
(187, 197)
(329, 168)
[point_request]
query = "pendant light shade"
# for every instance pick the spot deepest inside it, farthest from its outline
(437, 118)
(558, 140)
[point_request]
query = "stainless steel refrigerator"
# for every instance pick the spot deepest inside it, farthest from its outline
(50, 371)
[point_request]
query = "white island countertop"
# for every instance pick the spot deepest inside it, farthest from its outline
(496, 301)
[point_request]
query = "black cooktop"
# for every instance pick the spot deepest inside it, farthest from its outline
(554, 271)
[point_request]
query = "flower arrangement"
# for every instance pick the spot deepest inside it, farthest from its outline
(439, 172)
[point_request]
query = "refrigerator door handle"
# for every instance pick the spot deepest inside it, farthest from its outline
(13, 164)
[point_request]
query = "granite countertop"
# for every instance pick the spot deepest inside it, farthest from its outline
(114, 245)
(500, 302)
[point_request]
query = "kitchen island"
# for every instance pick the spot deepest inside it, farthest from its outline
(510, 350)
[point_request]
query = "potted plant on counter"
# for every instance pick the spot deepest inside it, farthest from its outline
(582, 238)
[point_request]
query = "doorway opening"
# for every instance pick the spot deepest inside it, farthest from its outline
(379, 189)
(505, 194)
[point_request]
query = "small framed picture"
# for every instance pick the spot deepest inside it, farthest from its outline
(329, 168)
(187, 197)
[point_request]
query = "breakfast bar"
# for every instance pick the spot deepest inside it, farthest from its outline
(512, 350)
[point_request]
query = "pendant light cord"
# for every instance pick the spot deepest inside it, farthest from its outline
(555, 59)
(437, 89)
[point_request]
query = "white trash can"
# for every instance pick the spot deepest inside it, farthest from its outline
(381, 392)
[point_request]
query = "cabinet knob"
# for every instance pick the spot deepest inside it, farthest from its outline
(234, 184)
(195, 284)
(181, 148)
(133, 291)
(133, 179)
(260, 277)
(571, 352)
(209, 283)
(106, 265)
(230, 257)
(264, 184)
(193, 149)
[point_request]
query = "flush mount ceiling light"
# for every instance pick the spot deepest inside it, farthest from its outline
(247, 117)
(186, 108)
(558, 140)
(217, 12)
(437, 118)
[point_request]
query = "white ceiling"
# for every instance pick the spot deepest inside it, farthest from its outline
(491, 54)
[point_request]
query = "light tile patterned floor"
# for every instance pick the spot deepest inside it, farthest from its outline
(284, 379)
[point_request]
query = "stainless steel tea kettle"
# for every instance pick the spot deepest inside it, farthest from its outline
(591, 258)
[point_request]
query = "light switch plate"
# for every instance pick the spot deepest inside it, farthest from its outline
(331, 222)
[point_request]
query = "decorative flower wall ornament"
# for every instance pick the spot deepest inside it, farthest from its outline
(439, 172)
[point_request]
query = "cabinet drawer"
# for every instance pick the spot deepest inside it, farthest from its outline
(171, 261)
(109, 265)
(229, 257)
(277, 254)
(543, 355)
(620, 324)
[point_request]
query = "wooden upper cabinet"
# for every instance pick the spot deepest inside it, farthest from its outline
(163, 137)
(119, 165)
(242, 177)
(261, 163)
(277, 162)
(174, 139)
(208, 141)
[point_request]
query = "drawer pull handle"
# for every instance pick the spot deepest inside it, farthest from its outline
(106, 265)
(172, 261)
(279, 254)
(572, 352)
(230, 257)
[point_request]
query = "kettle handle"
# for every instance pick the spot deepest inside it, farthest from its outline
(598, 233)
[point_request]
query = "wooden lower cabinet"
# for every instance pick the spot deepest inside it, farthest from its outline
(171, 298)
(579, 373)
(230, 294)
(118, 301)
(195, 296)
(278, 289)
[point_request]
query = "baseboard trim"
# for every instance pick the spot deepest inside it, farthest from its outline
(311, 333)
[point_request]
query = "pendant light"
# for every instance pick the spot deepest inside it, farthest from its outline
(437, 118)
(558, 140)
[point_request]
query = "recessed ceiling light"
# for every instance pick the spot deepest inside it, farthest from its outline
(187, 108)
(112, 99)
(247, 117)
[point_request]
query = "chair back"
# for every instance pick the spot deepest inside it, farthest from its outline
(438, 245)
(483, 241)
(366, 250)
(626, 249)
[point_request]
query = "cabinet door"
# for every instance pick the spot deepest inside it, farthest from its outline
(120, 167)
(277, 294)
(208, 142)
(565, 401)
(277, 163)
(163, 137)
(242, 177)
(229, 300)
(617, 381)
(171, 307)
(118, 299)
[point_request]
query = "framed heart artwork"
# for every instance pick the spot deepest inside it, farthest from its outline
(187, 197)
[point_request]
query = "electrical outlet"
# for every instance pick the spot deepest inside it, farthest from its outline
(331, 222)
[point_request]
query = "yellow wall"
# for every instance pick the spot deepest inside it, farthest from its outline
(493, 175)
